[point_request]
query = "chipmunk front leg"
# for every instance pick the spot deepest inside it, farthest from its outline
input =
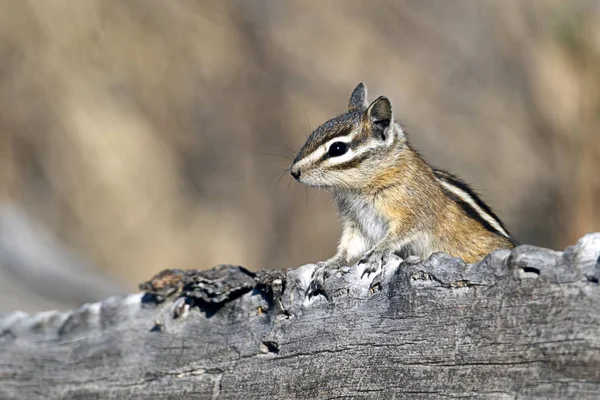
(350, 240)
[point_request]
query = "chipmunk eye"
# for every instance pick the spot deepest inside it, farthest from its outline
(337, 149)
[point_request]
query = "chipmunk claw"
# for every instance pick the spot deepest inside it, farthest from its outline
(323, 271)
(374, 261)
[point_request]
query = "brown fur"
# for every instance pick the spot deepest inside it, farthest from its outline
(409, 196)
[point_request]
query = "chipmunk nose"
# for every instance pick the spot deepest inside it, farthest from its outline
(295, 173)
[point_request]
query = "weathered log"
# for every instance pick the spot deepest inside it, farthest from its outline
(521, 324)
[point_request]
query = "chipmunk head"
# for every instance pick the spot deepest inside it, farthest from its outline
(350, 150)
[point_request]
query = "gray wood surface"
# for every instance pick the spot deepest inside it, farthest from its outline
(520, 324)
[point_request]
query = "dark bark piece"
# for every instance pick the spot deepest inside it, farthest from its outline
(521, 324)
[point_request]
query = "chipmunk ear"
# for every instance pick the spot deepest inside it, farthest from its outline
(380, 115)
(358, 98)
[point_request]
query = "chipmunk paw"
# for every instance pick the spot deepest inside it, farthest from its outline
(374, 261)
(324, 270)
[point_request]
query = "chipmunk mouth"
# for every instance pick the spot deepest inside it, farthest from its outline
(309, 176)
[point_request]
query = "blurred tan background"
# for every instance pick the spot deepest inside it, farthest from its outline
(150, 134)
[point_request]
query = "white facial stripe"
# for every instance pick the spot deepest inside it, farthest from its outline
(345, 139)
(350, 154)
(391, 132)
(311, 158)
(321, 150)
(461, 194)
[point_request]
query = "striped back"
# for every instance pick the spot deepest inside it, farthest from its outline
(471, 203)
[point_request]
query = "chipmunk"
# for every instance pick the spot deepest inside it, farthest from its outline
(388, 198)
